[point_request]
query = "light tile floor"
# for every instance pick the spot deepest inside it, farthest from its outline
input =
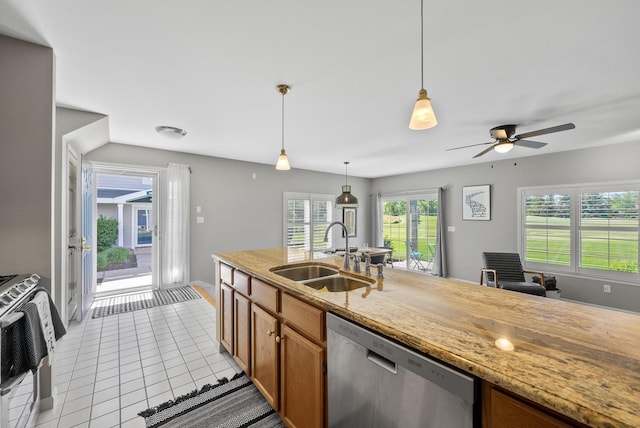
(109, 369)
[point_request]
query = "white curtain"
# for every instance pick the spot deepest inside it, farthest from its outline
(440, 259)
(175, 230)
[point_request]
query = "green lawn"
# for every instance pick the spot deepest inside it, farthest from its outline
(395, 230)
(615, 250)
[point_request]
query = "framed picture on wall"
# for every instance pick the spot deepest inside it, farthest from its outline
(350, 219)
(476, 202)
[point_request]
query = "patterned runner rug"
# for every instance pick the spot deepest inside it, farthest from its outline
(148, 299)
(230, 404)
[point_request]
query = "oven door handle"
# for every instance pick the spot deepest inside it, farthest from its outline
(12, 383)
(10, 319)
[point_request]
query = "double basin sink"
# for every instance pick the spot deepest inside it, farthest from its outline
(322, 277)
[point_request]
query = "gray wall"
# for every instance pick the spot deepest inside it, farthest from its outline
(240, 212)
(26, 141)
(471, 238)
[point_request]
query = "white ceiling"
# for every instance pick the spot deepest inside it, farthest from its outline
(211, 67)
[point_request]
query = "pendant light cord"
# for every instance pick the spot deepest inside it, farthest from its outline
(346, 180)
(422, 44)
(283, 121)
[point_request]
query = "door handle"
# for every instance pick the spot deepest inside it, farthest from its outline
(86, 247)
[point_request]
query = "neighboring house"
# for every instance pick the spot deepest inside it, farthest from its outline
(128, 200)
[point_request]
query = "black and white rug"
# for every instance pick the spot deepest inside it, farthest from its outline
(231, 403)
(148, 299)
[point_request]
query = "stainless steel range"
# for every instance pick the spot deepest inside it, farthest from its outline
(18, 392)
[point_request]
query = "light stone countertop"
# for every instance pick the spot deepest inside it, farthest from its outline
(579, 360)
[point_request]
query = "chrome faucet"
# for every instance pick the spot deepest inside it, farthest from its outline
(345, 265)
(356, 264)
(367, 264)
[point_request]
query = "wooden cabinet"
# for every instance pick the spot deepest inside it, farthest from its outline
(279, 341)
(306, 318)
(503, 410)
(302, 381)
(264, 353)
(242, 331)
(226, 318)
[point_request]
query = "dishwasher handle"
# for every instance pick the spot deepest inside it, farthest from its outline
(382, 362)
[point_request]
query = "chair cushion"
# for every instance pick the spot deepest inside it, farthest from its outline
(524, 287)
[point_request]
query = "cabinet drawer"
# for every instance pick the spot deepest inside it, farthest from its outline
(305, 317)
(226, 273)
(242, 282)
(265, 295)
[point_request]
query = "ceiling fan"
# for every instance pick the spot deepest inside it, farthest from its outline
(505, 138)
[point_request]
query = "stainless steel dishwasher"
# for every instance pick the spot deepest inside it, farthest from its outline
(376, 383)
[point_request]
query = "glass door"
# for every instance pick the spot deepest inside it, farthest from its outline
(409, 225)
(126, 201)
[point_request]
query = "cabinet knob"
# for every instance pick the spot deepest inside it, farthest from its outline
(270, 333)
(278, 339)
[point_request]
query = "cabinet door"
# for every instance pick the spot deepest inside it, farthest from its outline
(226, 307)
(302, 381)
(507, 411)
(264, 353)
(242, 329)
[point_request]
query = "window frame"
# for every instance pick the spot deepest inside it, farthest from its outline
(311, 197)
(576, 191)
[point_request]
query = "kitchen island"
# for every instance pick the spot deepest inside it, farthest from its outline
(576, 360)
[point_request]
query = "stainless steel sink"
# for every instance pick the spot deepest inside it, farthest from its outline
(338, 283)
(305, 272)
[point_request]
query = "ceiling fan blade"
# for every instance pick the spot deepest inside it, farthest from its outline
(530, 144)
(471, 145)
(485, 151)
(551, 130)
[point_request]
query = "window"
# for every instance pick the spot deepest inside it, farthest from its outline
(409, 226)
(306, 219)
(143, 226)
(590, 230)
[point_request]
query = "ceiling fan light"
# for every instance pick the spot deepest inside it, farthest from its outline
(503, 147)
(423, 116)
(283, 162)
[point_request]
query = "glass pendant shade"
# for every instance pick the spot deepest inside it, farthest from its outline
(503, 147)
(346, 199)
(423, 116)
(283, 162)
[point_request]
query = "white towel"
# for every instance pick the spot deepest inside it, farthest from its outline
(41, 300)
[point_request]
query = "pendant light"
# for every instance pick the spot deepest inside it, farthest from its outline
(423, 116)
(283, 161)
(346, 199)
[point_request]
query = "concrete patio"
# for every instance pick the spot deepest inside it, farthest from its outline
(123, 279)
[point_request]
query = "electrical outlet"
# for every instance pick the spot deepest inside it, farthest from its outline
(606, 288)
(464, 267)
